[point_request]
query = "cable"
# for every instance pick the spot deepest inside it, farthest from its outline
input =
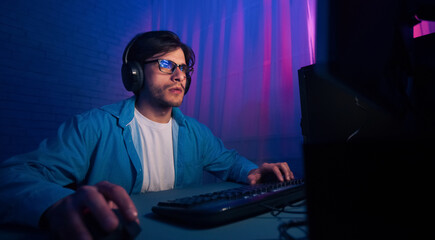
(282, 228)
(357, 131)
(276, 211)
(298, 204)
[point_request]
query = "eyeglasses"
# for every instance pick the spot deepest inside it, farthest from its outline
(168, 66)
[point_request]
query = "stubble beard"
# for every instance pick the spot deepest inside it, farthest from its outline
(160, 97)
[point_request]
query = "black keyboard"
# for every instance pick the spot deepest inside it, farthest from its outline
(222, 207)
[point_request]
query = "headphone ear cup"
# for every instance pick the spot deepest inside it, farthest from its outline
(188, 80)
(132, 76)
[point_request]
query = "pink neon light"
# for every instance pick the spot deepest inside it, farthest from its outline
(284, 76)
(311, 25)
(424, 28)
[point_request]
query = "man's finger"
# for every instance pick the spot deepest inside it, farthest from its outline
(75, 229)
(120, 197)
(277, 172)
(78, 229)
(287, 172)
(254, 176)
(98, 206)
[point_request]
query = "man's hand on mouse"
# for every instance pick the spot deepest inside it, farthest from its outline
(65, 217)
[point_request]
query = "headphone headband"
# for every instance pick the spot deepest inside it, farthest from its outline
(129, 45)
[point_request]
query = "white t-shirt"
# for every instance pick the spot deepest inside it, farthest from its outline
(153, 142)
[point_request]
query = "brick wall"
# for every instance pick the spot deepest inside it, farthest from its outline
(57, 59)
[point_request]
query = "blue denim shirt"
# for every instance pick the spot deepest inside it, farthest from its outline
(97, 145)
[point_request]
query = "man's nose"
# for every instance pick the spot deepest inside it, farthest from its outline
(178, 75)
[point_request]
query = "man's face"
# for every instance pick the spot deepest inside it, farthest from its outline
(162, 89)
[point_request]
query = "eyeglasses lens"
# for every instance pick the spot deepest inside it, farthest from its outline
(168, 66)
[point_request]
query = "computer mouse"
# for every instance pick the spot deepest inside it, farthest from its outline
(126, 229)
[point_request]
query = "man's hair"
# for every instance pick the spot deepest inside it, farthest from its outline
(145, 45)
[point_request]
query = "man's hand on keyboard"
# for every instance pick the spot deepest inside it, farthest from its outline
(280, 171)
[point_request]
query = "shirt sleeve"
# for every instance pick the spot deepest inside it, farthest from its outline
(226, 164)
(31, 182)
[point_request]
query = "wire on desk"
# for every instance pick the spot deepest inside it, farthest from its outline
(282, 228)
(276, 211)
(298, 204)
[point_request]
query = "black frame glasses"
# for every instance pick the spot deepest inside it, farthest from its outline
(168, 66)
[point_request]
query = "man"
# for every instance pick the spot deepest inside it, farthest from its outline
(141, 144)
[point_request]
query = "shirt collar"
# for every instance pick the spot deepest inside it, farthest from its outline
(124, 111)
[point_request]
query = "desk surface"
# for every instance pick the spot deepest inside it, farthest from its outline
(264, 226)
